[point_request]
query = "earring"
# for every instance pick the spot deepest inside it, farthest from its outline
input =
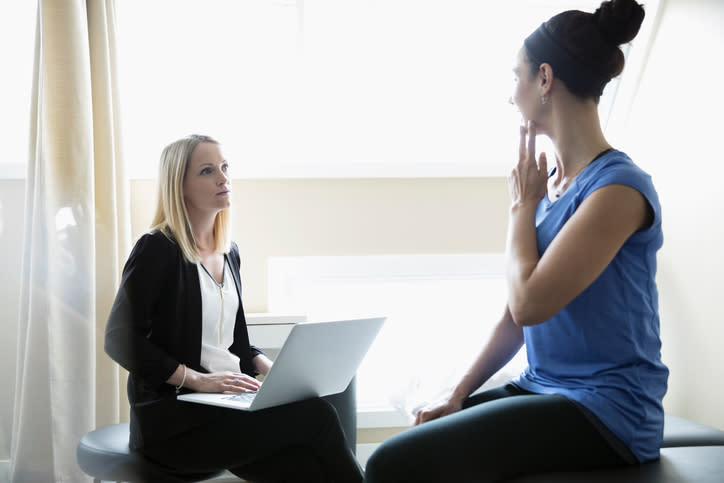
(543, 100)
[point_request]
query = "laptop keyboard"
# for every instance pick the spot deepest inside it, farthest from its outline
(242, 397)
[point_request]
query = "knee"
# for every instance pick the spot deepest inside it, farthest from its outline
(374, 469)
(320, 408)
(385, 462)
(318, 413)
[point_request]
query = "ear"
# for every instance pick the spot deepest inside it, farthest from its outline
(545, 78)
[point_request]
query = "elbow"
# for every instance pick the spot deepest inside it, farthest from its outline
(521, 319)
(115, 347)
(111, 348)
(525, 313)
(530, 303)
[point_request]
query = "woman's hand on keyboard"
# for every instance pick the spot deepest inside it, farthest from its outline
(226, 381)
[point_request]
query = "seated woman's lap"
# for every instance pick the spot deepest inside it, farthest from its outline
(234, 439)
(500, 433)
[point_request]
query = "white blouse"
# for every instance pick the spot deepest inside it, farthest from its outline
(219, 304)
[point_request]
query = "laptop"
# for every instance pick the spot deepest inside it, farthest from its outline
(317, 359)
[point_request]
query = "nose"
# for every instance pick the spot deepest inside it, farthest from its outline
(223, 177)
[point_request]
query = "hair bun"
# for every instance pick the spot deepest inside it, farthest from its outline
(619, 20)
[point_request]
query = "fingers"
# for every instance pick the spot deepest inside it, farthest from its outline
(419, 419)
(528, 179)
(531, 140)
(526, 146)
(426, 415)
(522, 152)
(238, 382)
(543, 163)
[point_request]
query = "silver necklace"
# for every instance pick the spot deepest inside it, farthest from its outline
(559, 191)
(221, 295)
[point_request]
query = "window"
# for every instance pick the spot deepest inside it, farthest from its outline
(314, 88)
(440, 310)
(328, 88)
(17, 41)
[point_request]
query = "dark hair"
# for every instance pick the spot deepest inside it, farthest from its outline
(592, 41)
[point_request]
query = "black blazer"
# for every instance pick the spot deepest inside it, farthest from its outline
(155, 325)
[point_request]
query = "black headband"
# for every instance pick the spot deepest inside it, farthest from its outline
(574, 72)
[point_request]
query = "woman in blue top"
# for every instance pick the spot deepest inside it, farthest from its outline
(581, 265)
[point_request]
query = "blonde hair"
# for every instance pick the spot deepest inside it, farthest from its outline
(172, 218)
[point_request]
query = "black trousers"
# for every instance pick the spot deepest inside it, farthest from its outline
(501, 433)
(298, 442)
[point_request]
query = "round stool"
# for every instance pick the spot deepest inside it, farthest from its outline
(104, 454)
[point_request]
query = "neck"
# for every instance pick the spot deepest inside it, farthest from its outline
(202, 226)
(575, 130)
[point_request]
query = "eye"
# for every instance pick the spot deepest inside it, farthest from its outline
(225, 167)
(205, 171)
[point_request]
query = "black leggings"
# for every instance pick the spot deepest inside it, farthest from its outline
(298, 442)
(501, 433)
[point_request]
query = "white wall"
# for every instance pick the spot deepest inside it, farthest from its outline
(353, 217)
(675, 133)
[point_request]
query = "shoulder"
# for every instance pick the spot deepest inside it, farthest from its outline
(153, 248)
(618, 168)
(154, 241)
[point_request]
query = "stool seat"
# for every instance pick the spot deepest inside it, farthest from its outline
(692, 464)
(679, 431)
(690, 453)
(104, 454)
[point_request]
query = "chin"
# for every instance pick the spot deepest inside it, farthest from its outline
(223, 205)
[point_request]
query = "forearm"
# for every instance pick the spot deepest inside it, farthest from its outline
(505, 341)
(521, 260)
(186, 377)
(182, 376)
(262, 364)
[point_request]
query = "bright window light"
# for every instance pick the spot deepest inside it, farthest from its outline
(17, 42)
(440, 310)
(327, 88)
(310, 88)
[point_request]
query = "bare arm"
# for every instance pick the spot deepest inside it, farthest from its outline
(539, 287)
(262, 364)
(505, 341)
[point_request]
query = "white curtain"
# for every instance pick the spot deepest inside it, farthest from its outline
(76, 233)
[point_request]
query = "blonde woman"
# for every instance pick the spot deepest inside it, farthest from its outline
(178, 325)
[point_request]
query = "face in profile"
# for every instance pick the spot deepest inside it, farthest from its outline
(525, 94)
(206, 185)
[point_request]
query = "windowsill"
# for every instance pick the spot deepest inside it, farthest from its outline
(382, 418)
(265, 318)
(13, 171)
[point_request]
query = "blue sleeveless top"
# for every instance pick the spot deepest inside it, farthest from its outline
(603, 349)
